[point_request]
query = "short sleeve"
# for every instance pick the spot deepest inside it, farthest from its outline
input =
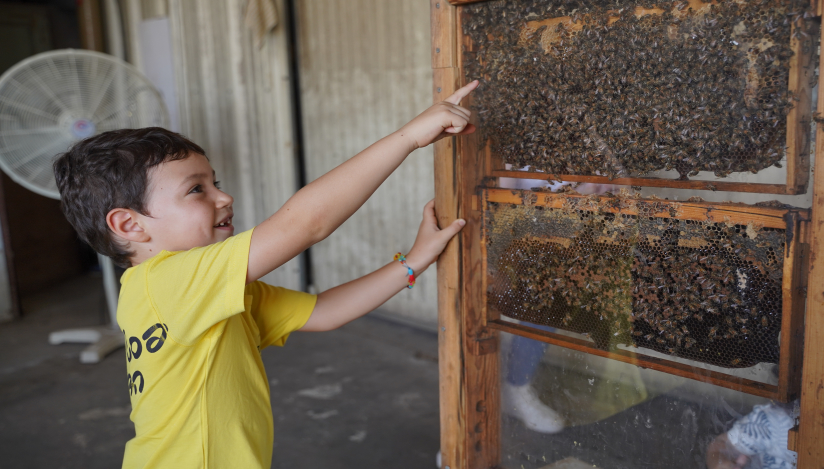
(194, 290)
(278, 311)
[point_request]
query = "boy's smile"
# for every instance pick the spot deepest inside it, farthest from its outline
(185, 206)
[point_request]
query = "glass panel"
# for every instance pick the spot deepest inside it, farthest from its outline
(566, 409)
(667, 280)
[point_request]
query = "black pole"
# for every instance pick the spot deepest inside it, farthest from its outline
(297, 119)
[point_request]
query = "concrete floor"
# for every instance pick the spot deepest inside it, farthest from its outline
(363, 396)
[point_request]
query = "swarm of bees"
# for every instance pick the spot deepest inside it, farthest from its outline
(700, 290)
(621, 88)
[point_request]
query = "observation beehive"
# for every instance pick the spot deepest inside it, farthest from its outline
(699, 281)
(622, 89)
(685, 95)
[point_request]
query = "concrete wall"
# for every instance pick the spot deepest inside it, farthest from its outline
(364, 72)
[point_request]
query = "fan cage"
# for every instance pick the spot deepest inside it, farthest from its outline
(51, 100)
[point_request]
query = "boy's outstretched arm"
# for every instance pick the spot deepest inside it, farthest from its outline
(339, 305)
(318, 209)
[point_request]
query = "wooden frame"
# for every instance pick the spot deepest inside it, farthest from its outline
(802, 69)
(468, 340)
(787, 388)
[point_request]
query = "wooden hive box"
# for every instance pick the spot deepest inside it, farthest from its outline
(467, 171)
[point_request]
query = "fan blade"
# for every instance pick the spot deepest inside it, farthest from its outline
(32, 131)
(51, 95)
(98, 97)
(23, 107)
(39, 152)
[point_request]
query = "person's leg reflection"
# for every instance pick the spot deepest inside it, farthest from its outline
(520, 400)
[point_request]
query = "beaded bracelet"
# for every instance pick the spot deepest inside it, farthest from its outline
(411, 275)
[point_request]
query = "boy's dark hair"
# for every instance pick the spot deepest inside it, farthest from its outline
(111, 170)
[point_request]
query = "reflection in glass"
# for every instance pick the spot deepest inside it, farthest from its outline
(573, 410)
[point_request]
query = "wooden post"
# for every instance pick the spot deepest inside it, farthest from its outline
(469, 398)
(810, 443)
(450, 327)
(91, 28)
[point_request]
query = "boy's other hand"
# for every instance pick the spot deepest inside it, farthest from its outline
(431, 240)
(441, 120)
(721, 454)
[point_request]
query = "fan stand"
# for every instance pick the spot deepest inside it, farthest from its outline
(103, 339)
(50, 101)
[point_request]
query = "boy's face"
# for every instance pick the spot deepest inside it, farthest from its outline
(186, 208)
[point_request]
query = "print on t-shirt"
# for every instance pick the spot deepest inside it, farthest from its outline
(154, 338)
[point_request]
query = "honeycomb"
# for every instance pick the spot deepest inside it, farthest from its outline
(700, 290)
(625, 88)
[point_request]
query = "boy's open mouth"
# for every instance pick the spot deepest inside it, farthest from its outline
(226, 223)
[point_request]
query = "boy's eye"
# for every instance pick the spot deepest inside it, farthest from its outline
(196, 189)
(217, 184)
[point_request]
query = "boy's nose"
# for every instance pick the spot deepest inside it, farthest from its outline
(224, 199)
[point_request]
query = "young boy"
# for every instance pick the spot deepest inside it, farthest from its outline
(192, 311)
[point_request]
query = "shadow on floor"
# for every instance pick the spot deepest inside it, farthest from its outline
(363, 396)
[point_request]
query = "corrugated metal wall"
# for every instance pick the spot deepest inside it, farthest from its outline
(364, 72)
(234, 100)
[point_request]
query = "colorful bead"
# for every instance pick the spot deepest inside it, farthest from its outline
(410, 274)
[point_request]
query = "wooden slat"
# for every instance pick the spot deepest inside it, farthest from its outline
(811, 426)
(792, 439)
(466, 2)
(736, 213)
(794, 298)
(445, 81)
(574, 26)
(491, 313)
(450, 327)
(91, 27)
(444, 34)
(652, 182)
(802, 70)
(657, 364)
(482, 397)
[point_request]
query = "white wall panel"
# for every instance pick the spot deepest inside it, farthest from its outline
(364, 72)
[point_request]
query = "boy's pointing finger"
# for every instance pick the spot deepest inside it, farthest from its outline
(462, 93)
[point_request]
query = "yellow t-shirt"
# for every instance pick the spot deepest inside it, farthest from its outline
(194, 331)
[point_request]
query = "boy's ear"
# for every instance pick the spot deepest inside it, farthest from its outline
(124, 223)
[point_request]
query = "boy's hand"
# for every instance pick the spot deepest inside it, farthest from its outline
(341, 304)
(721, 454)
(431, 240)
(442, 119)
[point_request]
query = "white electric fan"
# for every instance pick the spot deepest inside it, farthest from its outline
(47, 103)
